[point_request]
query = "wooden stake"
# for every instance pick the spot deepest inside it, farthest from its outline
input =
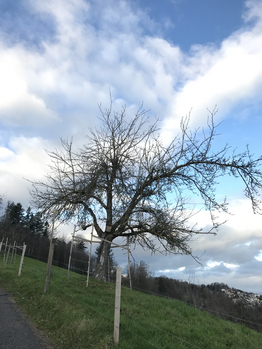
(1, 243)
(22, 260)
(6, 242)
(7, 255)
(71, 248)
(89, 259)
(128, 260)
(15, 253)
(13, 250)
(117, 304)
(49, 264)
(50, 257)
(108, 269)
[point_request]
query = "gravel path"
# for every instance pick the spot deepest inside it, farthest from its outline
(16, 331)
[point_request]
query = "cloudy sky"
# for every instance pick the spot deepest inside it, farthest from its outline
(59, 59)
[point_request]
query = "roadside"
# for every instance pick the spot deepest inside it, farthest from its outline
(16, 330)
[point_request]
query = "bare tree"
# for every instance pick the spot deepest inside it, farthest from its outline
(124, 177)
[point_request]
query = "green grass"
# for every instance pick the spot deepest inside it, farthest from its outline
(74, 316)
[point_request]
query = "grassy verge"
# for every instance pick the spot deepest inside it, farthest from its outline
(74, 316)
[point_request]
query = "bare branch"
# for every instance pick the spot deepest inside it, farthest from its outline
(123, 178)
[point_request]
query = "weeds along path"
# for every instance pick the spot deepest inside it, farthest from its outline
(16, 331)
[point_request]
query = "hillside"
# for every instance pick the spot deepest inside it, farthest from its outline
(216, 298)
(74, 316)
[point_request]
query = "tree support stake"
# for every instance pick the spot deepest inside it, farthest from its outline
(117, 304)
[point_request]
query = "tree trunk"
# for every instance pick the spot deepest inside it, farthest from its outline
(101, 270)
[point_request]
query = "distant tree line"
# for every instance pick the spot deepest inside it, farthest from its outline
(21, 225)
(209, 298)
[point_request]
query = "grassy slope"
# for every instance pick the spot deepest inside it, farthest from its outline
(74, 316)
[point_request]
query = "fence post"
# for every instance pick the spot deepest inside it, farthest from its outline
(128, 260)
(49, 263)
(71, 248)
(50, 256)
(15, 253)
(13, 250)
(6, 242)
(22, 260)
(1, 243)
(89, 259)
(117, 304)
(7, 255)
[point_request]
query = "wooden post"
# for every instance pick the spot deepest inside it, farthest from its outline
(71, 248)
(22, 260)
(15, 253)
(1, 243)
(13, 250)
(49, 264)
(117, 304)
(108, 269)
(89, 259)
(50, 257)
(6, 242)
(7, 255)
(128, 261)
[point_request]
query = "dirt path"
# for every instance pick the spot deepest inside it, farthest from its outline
(16, 331)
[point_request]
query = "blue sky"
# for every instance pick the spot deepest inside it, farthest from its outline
(59, 60)
(186, 23)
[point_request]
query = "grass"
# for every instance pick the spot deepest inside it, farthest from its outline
(74, 316)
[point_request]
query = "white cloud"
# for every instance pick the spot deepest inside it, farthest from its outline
(259, 256)
(226, 257)
(25, 159)
(53, 91)
(254, 10)
(81, 63)
(211, 264)
(19, 106)
(12, 85)
(231, 266)
(5, 154)
(222, 76)
(237, 241)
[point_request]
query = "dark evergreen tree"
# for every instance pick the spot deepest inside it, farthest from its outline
(14, 213)
(80, 246)
(33, 222)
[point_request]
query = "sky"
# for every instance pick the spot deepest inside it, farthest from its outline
(60, 59)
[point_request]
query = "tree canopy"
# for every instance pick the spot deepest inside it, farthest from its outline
(128, 183)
